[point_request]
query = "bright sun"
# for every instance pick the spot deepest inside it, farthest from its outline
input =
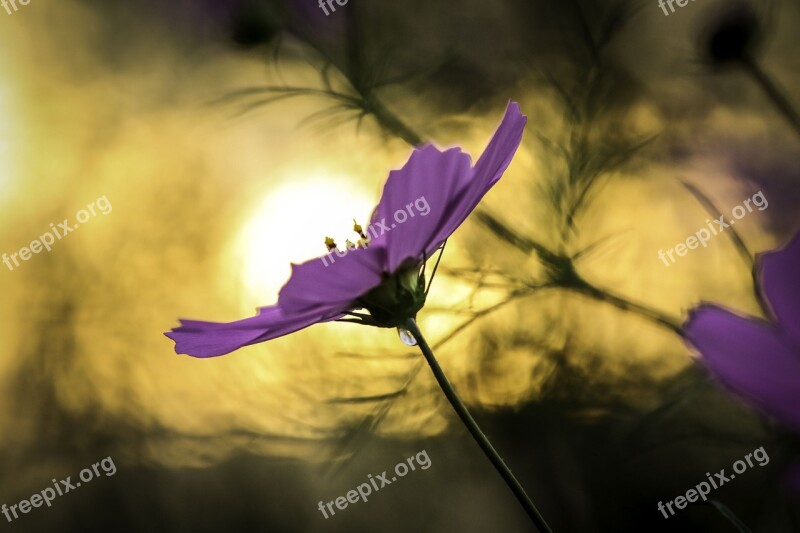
(290, 225)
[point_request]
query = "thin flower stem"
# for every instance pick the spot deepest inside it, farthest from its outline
(475, 430)
(435, 267)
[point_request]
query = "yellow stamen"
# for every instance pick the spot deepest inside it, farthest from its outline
(363, 242)
(358, 229)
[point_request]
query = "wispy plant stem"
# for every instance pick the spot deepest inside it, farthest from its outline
(772, 90)
(563, 274)
(390, 121)
(633, 307)
(475, 430)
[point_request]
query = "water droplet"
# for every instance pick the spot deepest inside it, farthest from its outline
(406, 336)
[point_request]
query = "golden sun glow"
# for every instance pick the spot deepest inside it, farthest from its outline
(290, 225)
(4, 138)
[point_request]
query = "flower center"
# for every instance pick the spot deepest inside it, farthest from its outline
(399, 297)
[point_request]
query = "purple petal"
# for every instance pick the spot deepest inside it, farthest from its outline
(210, 339)
(424, 187)
(488, 170)
(780, 281)
(755, 359)
(445, 181)
(335, 284)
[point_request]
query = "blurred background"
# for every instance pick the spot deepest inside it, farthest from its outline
(232, 137)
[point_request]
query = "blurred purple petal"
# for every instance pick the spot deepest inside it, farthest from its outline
(755, 359)
(779, 274)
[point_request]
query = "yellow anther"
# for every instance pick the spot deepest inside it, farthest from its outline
(358, 229)
(350, 245)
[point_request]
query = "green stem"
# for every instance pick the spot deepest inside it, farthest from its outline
(475, 430)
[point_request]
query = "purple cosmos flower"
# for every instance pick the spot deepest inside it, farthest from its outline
(759, 360)
(384, 277)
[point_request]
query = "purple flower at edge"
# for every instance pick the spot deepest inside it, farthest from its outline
(384, 276)
(759, 360)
